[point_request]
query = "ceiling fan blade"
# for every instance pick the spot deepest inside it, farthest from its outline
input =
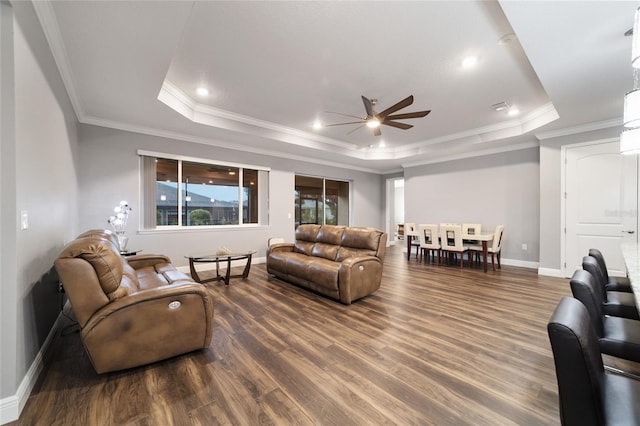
(402, 104)
(368, 106)
(346, 115)
(416, 114)
(377, 131)
(398, 125)
(351, 131)
(341, 124)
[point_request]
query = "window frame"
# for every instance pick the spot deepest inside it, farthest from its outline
(263, 199)
(323, 196)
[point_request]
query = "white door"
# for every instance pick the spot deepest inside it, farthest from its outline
(601, 201)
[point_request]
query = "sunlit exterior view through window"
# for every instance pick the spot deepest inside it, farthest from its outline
(188, 194)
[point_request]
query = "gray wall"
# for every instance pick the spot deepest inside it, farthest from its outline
(110, 172)
(38, 176)
(491, 190)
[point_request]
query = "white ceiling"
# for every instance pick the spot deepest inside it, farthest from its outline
(273, 68)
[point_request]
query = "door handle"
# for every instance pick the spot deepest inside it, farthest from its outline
(630, 232)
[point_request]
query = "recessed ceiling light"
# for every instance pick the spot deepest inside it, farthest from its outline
(469, 61)
(381, 144)
(202, 91)
(513, 111)
(317, 125)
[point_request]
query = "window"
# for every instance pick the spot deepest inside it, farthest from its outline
(321, 201)
(186, 192)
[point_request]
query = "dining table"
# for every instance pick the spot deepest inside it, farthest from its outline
(482, 238)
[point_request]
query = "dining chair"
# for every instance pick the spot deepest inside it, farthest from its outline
(612, 283)
(451, 241)
(587, 396)
(471, 228)
(411, 234)
(495, 249)
(429, 241)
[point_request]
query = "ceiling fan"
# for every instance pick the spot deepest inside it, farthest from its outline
(387, 117)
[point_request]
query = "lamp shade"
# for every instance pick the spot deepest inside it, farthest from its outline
(635, 41)
(630, 141)
(631, 115)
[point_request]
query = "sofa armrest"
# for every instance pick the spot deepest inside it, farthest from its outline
(359, 276)
(286, 247)
(149, 325)
(143, 260)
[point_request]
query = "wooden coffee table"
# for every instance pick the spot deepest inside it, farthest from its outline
(217, 258)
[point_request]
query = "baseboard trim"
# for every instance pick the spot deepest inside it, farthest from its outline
(551, 272)
(11, 406)
(520, 263)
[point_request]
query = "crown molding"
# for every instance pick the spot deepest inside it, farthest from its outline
(49, 23)
(567, 131)
(515, 127)
(480, 153)
(217, 143)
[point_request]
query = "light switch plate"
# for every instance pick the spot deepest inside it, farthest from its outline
(24, 220)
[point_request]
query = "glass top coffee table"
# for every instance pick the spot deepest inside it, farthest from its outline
(217, 258)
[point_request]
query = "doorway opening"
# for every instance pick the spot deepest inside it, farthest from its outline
(395, 209)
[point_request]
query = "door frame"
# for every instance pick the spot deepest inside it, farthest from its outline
(563, 198)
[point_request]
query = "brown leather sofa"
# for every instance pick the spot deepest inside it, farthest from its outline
(339, 262)
(132, 311)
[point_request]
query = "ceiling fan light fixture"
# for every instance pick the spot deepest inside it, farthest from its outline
(373, 123)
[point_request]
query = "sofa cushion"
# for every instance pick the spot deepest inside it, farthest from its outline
(361, 238)
(330, 234)
(347, 252)
(326, 251)
(304, 247)
(296, 264)
(323, 273)
(307, 233)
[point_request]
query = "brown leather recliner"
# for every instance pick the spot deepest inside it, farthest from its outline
(132, 311)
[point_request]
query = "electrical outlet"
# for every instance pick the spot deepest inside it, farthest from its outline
(524, 246)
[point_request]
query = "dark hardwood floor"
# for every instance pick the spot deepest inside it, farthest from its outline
(433, 346)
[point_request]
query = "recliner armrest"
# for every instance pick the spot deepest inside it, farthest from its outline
(359, 276)
(142, 260)
(280, 247)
